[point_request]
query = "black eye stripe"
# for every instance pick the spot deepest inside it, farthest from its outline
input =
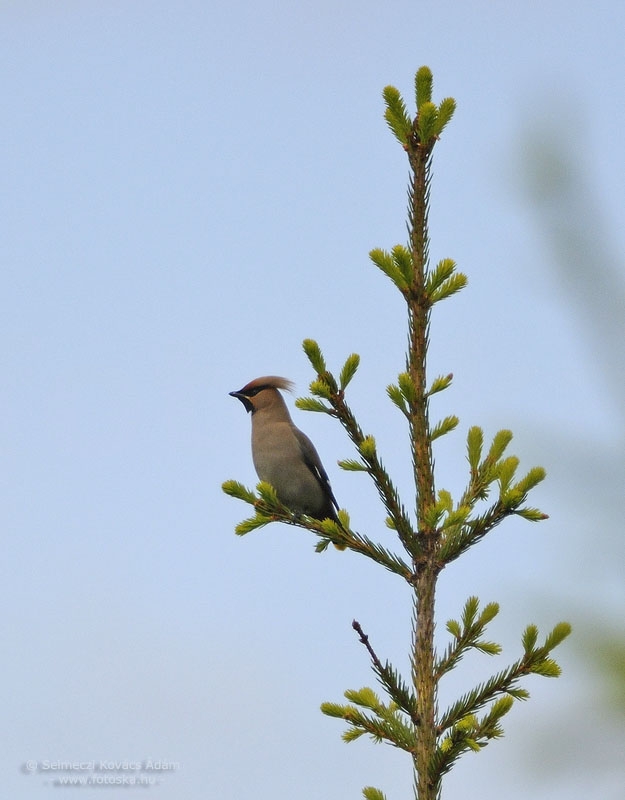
(256, 390)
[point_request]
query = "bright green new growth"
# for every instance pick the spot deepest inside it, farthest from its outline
(442, 528)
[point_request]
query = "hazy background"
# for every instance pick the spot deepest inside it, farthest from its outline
(189, 189)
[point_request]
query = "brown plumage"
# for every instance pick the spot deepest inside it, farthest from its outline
(284, 456)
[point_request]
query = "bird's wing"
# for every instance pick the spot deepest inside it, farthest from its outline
(313, 462)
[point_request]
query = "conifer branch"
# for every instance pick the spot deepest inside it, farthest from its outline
(467, 635)
(535, 660)
(327, 386)
(269, 509)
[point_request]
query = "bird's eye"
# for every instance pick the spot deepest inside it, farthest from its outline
(253, 392)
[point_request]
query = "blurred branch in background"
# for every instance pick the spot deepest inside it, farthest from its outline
(591, 276)
(590, 272)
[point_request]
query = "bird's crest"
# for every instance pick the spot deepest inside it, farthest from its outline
(268, 382)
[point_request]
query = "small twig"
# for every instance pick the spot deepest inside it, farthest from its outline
(398, 692)
(365, 640)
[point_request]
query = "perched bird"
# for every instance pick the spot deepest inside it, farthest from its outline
(284, 456)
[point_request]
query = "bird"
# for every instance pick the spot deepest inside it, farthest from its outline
(284, 456)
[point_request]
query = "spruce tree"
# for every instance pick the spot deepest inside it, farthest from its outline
(405, 714)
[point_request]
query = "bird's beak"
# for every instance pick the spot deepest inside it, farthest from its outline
(240, 396)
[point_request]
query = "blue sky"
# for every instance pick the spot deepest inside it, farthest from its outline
(190, 190)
